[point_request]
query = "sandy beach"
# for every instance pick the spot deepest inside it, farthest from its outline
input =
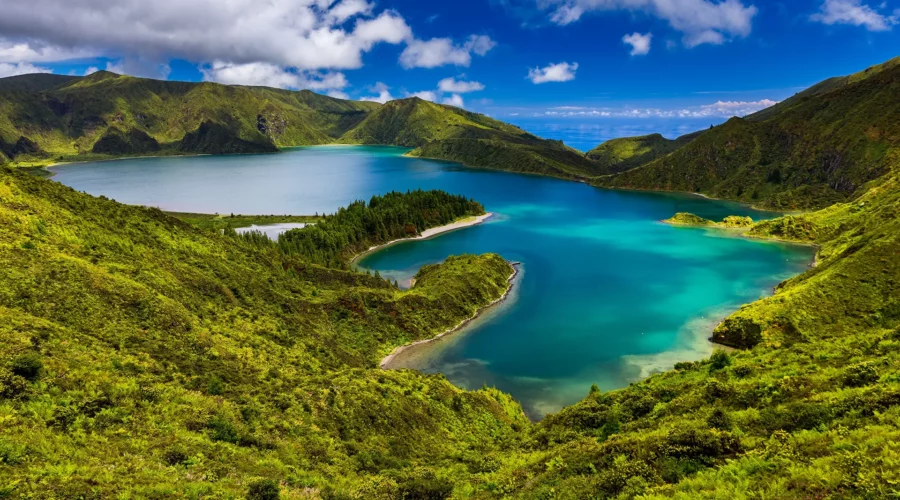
(430, 233)
(390, 357)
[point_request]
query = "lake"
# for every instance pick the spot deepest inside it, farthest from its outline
(607, 294)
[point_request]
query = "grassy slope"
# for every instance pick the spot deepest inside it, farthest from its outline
(68, 119)
(191, 362)
(619, 155)
(811, 411)
(816, 150)
(448, 133)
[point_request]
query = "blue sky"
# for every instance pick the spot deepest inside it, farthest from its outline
(668, 64)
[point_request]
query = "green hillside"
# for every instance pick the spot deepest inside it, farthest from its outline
(35, 82)
(194, 363)
(619, 155)
(818, 148)
(449, 133)
(144, 357)
(69, 119)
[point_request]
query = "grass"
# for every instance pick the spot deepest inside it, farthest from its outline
(144, 357)
(218, 222)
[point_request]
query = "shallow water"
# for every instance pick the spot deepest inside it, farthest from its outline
(607, 294)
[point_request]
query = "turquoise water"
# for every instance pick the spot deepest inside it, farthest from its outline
(607, 294)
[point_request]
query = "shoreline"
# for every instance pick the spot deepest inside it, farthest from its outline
(429, 233)
(383, 364)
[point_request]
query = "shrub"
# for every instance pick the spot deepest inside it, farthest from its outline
(11, 385)
(221, 429)
(263, 489)
(859, 375)
(426, 487)
(719, 419)
(719, 360)
(27, 366)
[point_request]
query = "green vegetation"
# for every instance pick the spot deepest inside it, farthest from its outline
(815, 149)
(448, 133)
(143, 357)
(67, 117)
(730, 222)
(334, 241)
(218, 222)
(619, 155)
(195, 363)
(688, 219)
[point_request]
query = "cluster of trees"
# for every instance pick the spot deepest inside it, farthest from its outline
(354, 229)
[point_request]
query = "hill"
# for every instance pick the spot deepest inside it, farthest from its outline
(450, 133)
(144, 357)
(105, 115)
(36, 82)
(69, 119)
(191, 361)
(131, 340)
(818, 148)
(619, 155)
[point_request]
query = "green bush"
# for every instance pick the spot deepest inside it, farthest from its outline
(27, 366)
(263, 489)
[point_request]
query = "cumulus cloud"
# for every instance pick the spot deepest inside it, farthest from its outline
(720, 109)
(383, 94)
(560, 72)
(452, 85)
(701, 21)
(640, 44)
(36, 52)
(443, 51)
(304, 34)
(455, 100)
(8, 69)
(270, 75)
(855, 13)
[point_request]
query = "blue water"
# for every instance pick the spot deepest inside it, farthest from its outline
(607, 294)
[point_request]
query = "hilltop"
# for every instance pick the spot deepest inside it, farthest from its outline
(619, 155)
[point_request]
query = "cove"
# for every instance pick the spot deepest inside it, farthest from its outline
(606, 295)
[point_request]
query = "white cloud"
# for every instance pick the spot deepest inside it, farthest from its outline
(304, 34)
(720, 109)
(560, 72)
(640, 44)
(428, 95)
(855, 13)
(442, 51)
(270, 75)
(455, 100)
(383, 91)
(7, 69)
(91, 70)
(37, 52)
(452, 85)
(701, 21)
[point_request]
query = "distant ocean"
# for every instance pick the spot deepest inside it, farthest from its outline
(586, 134)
